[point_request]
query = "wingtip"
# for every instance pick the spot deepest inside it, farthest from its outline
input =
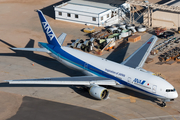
(36, 10)
(12, 48)
(7, 80)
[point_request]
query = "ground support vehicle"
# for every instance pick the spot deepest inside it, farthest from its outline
(164, 45)
(116, 36)
(74, 44)
(126, 33)
(166, 35)
(101, 34)
(141, 28)
(110, 46)
(170, 55)
(160, 31)
(89, 30)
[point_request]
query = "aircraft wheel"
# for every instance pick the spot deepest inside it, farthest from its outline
(163, 104)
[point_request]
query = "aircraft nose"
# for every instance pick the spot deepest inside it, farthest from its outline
(175, 94)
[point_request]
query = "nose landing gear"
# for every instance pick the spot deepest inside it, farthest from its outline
(163, 104)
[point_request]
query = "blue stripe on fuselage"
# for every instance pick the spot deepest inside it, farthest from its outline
(73, 60)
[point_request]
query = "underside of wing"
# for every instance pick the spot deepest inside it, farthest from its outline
(138, 58)
(83, 80)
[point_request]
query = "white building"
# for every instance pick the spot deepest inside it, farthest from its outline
(161, 18)
(84, 12)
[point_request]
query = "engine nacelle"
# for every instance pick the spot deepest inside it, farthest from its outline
(98, 92)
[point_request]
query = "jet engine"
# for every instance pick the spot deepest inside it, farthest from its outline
(98, 92)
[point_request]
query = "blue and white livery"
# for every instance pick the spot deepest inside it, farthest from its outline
(129, 74)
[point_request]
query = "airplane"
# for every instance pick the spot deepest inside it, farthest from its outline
(128, 74)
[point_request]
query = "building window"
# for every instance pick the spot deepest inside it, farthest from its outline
(101, 18)
(76, 16)
(60, 13)
(68, 14)
(107, 15)
(94, 19)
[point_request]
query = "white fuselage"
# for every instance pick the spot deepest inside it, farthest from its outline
(131, 78)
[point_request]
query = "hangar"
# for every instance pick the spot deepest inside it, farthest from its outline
(169, 19)
(160, 14)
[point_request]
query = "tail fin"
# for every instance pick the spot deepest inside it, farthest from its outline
(51, 37)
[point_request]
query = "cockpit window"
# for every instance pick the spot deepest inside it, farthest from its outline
(167, 90)
(170, 90)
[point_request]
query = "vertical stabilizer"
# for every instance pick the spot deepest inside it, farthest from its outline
(51, 37)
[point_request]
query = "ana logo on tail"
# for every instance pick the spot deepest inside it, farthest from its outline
(48, 30)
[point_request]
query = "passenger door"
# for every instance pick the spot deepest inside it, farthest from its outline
(154, 87)
(129, 81)
(85, 66)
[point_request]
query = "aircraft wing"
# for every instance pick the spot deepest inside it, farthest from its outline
(83, 80)
(138, 58)
(61, 38)
(32, 49)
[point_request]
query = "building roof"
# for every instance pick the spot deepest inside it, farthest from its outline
(83, 8)
(106, 4)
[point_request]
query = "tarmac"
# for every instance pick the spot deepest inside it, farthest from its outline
(20, 27)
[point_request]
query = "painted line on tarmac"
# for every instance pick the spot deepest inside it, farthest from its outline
(131, 98)
(108, 114)
(4, 72)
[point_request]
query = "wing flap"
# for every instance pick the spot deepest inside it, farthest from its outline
(84, 80)
(138, 58)
(32, 49)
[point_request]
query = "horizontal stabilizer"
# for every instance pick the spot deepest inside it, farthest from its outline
(32, 49)
(61, 38)
(84, 80)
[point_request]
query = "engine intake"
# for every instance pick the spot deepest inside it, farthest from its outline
(98, 92)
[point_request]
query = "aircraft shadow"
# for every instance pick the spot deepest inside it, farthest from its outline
(136, 94)
(42, 60)
(49, 10)
(39, 109)
(119, 52)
